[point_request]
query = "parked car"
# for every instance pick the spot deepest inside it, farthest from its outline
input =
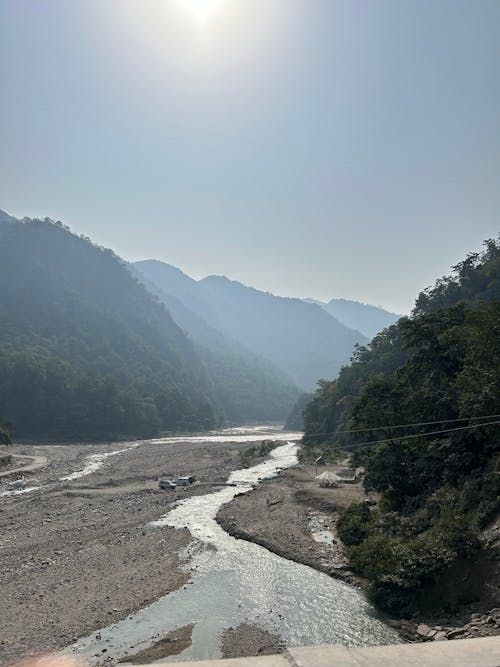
(184, 481)
(167, 484)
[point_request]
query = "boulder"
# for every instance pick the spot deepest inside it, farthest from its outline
(423, 630)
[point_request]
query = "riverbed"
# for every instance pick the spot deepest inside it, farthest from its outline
(234, 582)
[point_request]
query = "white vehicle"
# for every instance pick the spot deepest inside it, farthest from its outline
(184, 481)
(167, 484)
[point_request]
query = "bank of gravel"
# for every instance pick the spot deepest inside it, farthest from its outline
(279, 514)
(248, 639)
(78, 556)
(173, 643)
(282, 514)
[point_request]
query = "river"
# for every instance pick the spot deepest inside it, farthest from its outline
(234, 581)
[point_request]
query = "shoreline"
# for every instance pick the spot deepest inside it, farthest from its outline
(281, 515)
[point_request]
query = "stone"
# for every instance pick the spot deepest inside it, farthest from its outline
(423, 630)
(440, 636)
(453, 634)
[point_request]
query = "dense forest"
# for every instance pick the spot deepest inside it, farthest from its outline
(86, 351)
(438, 489)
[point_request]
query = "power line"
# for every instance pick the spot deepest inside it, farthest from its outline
(385, 428)
(420, 435)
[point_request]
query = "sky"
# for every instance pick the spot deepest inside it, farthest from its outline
(311, 148)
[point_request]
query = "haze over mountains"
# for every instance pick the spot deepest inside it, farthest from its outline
(94, 347)
(370, 320)
(86, 351)
(301, 339)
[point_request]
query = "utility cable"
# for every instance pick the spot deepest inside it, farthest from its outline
(419, 435)
(386, 428)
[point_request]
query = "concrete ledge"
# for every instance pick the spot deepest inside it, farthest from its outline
(263, 661)
(483, 652)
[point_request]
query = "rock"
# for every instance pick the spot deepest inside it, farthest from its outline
(453, 634)
(431, 634)
(423, 630)
(440, 636)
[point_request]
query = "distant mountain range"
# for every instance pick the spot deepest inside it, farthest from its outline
(300, 339)
(370, 320)
(93, 347)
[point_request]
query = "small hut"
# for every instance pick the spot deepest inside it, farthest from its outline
(347, 476)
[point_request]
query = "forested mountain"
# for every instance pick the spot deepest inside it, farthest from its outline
(299, 338)
(370, 320)
(86, 351)
(439, 490)
(247, 388)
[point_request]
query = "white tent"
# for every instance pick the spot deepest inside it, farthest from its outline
(328, 478)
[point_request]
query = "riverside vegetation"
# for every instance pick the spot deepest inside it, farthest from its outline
(438, 491)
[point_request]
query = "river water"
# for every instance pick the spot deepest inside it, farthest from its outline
(234, 581)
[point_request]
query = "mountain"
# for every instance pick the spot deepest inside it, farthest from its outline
(370, 320)
(6, 218)
(247, 388)
(425, 546)
(85, 350)
(299, 338)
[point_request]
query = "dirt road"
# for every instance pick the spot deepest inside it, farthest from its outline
(32, 463)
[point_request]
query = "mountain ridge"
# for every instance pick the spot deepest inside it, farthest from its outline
(294, 336)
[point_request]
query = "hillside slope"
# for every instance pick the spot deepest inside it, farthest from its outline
(368, 319)
(300, 338)
(246, 387)
(85, 350)
(440, 482)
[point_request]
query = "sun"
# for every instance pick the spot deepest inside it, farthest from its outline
(202, 9)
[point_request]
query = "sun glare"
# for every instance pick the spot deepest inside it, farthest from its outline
(202, 9)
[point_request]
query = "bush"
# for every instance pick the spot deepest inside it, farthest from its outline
(353, 525)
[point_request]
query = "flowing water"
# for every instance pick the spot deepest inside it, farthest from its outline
(235, 581)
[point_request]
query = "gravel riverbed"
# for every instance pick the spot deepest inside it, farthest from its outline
(76, 556)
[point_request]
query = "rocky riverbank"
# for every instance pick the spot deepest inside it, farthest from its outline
(295, 518)
(76, 556)
(249, 640)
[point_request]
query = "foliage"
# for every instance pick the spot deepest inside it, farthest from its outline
(438, 490)
(87, 352)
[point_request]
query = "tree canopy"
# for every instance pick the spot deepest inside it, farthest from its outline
(438, 490)
(86, 351)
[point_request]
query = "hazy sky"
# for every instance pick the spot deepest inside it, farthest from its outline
(308, 147)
